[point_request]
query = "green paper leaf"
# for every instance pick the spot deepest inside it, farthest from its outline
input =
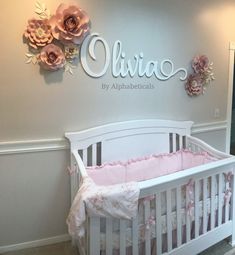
(38, 11)
(70, 71)
(28, 55)
(43, 6)
(66, 68)
(28, 61)
(34, 60)
(38, 5)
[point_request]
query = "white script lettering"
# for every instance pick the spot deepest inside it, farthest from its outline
(123, 67)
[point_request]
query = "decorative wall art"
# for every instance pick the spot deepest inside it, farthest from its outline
(54, 40)
(201, 77)
(59, 41)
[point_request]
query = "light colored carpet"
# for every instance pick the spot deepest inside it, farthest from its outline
(231, 252)
(220, 248)
(64, 248)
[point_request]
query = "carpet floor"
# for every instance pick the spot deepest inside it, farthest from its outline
(65, 248)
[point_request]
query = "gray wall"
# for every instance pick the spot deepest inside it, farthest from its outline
(34, 188)
(34, 196)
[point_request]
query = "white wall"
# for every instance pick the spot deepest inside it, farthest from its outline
(36, 105)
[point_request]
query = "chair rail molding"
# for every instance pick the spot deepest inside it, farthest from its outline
(27, 146)
(56, 144)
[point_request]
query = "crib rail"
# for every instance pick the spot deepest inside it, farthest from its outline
(197, 206)
(196, 145)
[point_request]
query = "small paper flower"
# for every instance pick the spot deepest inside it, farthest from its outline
(201, 77)
(38, 33)
(70, 24)
(194, 85)
(200, 64)
(71, 52)
(52, 57)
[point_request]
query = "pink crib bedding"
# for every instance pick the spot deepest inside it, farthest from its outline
(112, 188)
(146, 168)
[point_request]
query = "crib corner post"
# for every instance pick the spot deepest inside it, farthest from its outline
(232, 240)
(74, 182)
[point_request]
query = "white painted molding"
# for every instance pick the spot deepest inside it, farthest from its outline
(230, 94)
(232, 45)
(36, 243)
(28, 146)
(33, 146)
(209, 127)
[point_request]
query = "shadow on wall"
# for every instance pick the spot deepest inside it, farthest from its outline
(52, 77)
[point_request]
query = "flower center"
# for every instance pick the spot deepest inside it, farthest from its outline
(51, 57)
(40, 32)
(70, 23)
(194, 83)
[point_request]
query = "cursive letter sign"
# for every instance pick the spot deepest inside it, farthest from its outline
(124, 67)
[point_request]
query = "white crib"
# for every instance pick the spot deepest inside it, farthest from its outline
(211, 218)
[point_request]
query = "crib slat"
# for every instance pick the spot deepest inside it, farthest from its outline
(109, 232)
(226, 204)
(174, 142)
(180, 142)
(187, 215)
(147, 227)
(204, 205)
(95, 235)
(84, 157)
(220, 204)
(135, 231)
(212, 202)
(196, 208)
(158, 224)
(169, 224)
(94, 154)
(179, 217)
(122, 236)
(74, 179)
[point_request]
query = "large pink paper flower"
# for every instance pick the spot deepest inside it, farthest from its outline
(51, 57)
(194, 86)
(38, 33)
(200, 64)
(70, 24)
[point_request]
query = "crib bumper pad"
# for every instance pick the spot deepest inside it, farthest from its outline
(119, 201)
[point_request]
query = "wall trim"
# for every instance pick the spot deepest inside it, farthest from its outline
(36, 243)
(44, 145)
(33, 146)
(230, 94)
(209, 127)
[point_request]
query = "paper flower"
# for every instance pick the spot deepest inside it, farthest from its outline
(202, 76)
(38, 32)
(194, 85)
(70, 24)
(71, 51)
(200, 64)
(52, 57)
(55, 40)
